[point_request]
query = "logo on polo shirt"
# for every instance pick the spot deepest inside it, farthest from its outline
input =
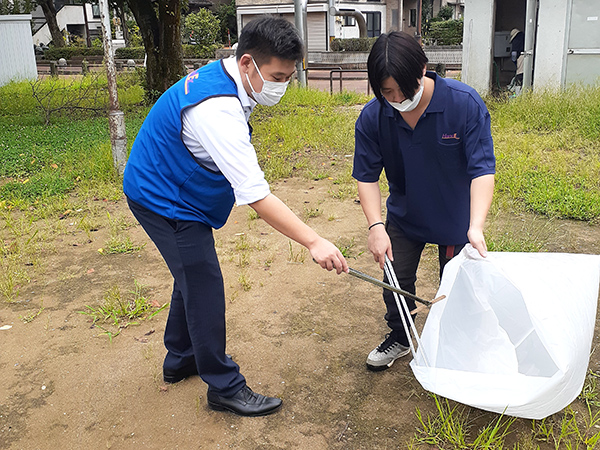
(450, 136)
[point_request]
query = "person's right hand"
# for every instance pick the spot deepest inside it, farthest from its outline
(328, 256)
(379, 245)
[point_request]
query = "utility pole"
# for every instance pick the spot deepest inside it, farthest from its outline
(116, 118)
(301, 26)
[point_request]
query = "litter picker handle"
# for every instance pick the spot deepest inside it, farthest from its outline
(376, 282)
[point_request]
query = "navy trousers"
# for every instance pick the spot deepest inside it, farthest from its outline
(195, 330)
(407, 254)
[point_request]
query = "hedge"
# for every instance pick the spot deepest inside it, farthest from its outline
(189, 52)
(54, 53)
(130, 53)
(352, 45)
(199, 51)
(447, 32)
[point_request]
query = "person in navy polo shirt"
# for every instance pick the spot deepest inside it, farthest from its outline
(432, 136)
(191, 160)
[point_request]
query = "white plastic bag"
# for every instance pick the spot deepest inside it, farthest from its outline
(514, 334)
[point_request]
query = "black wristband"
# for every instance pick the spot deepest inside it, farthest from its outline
(376, 223)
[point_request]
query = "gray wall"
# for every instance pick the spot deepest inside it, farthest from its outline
(477, 44)
(550, 47)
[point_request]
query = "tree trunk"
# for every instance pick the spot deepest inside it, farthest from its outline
(50, 15)
(161, 33)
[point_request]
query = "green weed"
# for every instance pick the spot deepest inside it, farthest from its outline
(119, 311)
(244, 280)
(118, 241)
(31, 316)
(311, 213)
(345, 246)
(296, 257)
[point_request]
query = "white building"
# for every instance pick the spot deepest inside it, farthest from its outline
(562, 42)
(81, 20)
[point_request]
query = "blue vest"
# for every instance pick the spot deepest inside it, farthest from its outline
(161, 173)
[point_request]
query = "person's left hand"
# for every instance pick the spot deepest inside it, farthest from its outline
(477, 240)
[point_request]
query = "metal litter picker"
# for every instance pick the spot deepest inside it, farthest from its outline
(399, 295)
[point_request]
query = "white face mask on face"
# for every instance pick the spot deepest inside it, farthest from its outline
(271, 92)
(408, 104)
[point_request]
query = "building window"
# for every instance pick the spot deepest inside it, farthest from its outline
(96, 11)
(349, 21)
(373, 23)
(413, 18)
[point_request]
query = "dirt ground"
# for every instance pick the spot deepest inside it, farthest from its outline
(298, 332)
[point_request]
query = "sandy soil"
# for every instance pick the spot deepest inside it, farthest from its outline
(297, 331)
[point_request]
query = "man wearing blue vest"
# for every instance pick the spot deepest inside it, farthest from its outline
(191, 160)
(432, 136)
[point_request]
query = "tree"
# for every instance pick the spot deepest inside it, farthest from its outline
(446, 12)
(26, 6)
(226, 14)
(160, 28)
(202, 29)
(426, 16)
(50, 15)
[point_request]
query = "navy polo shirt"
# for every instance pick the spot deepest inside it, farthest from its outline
(429, 169)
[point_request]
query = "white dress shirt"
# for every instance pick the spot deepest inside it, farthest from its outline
(216, 133)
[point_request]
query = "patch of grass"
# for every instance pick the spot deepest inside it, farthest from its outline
(548, 159)
(345, 246)
(244, 280)
(14, 276)
(119, 242)
(42, 162)
(513, 233)
(311, 213)
(446, 429)
(252, 215)
(20, 248)
(304, 132)
(118, 311)
(31, 316)
(449, 427)
(589, 393)
(296, 257)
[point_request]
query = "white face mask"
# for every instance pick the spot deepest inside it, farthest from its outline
(408, 104)
(271, 92)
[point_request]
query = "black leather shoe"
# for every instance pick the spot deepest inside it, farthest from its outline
(175, 376)
(245, 402)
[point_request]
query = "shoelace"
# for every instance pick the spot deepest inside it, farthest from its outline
(386, 345)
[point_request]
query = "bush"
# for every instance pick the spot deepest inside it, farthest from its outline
(200, 52)
(130, 53)
(447, 32)
(446, 12)
(54, 53)
(352, 45)
(202, 30)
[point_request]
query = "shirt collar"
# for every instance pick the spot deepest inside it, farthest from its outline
(437, 102)
(231, 66)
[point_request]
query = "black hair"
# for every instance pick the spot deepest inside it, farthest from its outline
(397, 55)
(268, 36)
